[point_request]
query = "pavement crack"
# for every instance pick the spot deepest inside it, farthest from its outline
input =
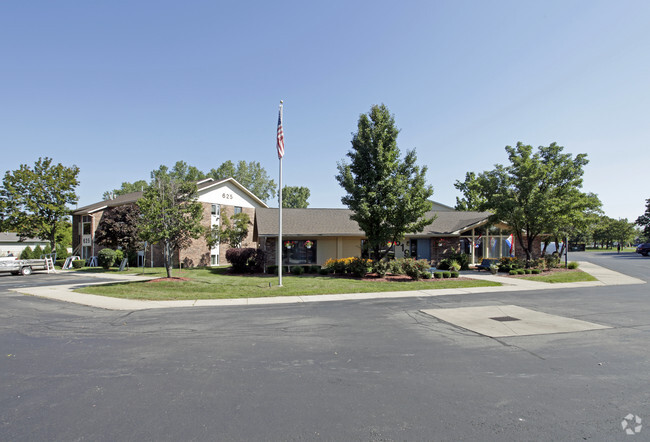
(505, 344)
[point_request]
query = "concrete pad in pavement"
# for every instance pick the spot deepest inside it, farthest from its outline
(499, 321)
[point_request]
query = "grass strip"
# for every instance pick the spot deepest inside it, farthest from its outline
(215, 284)
(557, 277)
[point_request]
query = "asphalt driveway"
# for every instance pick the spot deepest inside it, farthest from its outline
(359, 370)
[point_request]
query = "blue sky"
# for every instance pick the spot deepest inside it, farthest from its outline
(120, 87)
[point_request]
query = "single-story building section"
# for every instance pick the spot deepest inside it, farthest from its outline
(312, 236)
(12, 245)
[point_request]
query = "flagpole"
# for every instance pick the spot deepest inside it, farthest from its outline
(280, 203)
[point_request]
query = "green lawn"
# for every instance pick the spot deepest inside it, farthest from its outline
(217, 284)
(571, 276)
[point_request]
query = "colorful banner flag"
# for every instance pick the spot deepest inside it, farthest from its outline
(510, 241)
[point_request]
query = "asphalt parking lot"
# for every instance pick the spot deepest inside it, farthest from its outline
(359, 370)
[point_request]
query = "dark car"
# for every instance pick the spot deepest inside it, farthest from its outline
(643, 249)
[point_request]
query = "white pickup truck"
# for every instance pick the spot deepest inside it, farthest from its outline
(24, 267)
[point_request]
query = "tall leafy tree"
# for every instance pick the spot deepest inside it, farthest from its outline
(387, 195)
(473, 198)
(644, 220)
(171, 214)
(295, 197)
(537, 193)
(250, 175)
(119, 227)
(34, 201)
(126, 187)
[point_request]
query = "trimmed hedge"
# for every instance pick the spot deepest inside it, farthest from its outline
(77, 264)
(573, 265)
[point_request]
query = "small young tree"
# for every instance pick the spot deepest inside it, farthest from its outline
(232, 230)
(170, 214)
(388, 196)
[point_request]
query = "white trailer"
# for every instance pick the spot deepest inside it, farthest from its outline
(25, 266)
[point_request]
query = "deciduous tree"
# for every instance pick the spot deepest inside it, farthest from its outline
(34, 201)
(295, 197)
(119, 227)
(644, 220)
(537, 193)
(171, 214)
(387, 195)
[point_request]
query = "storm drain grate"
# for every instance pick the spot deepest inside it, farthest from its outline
(504, 318)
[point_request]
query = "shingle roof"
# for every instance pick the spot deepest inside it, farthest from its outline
(120, 200)
(11, 237)
(337, 222)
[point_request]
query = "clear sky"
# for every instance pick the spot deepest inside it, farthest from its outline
(121, 87)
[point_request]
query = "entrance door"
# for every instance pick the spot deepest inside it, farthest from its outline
(424, 249)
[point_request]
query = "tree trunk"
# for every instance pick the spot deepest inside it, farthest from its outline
(168, 259)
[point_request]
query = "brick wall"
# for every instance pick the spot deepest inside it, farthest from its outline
(441, 248)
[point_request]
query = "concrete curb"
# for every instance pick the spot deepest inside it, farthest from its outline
(65, 292)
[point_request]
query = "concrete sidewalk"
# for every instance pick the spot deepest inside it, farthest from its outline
(65, 292)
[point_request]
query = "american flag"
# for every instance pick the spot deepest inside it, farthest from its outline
(280, 143)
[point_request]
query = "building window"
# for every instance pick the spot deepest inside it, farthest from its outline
(237, 210)
(298, 252)
(215, 210)
(214, 260)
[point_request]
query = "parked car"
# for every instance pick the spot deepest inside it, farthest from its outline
(643, 249)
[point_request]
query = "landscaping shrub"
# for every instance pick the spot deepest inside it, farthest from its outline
(521, 271)
(508, 263)
(539, 263)
(61, 252)
(37, 253)
(512, 272)
(572, 265)
(461, 258)
(535, 271)
(297, 270)
(437, 275)
(59, 262)
(119, 255)
(314, 269)
(47, 250)
(77, 264)
(381, 268)
(427, 275)
(27, 253)
(455, 274)
(528, 271)
(552, 261)
(245, 260)
(272, 270)
(359, 267)
(446, 274)
(324, 271)
(415, 268)
(396, 267)
(106, 258)
(339, 266)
